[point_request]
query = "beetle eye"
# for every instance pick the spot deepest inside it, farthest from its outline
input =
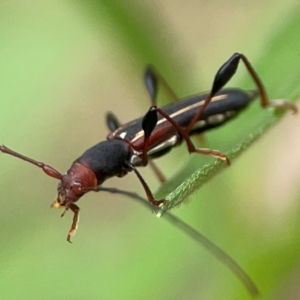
(76, 186)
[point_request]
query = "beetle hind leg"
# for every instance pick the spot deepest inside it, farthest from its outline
(215, 153)
(280, 103)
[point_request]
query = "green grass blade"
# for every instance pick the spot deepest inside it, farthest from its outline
(278, 64)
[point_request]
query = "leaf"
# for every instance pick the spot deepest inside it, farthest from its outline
(278, 63)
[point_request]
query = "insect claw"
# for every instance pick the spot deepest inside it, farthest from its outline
(228, 162)
(284, 105)
(63, 212)
(70, 234)
(69, 239)
(160, 209)
(159, 203)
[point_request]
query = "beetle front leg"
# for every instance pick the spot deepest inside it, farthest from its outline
(75, 209)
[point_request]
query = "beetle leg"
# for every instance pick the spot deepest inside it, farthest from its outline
(156, 203)
(225, 73)
(160, 176)
(112, 121)
(190, 145)
(152, 80)
(74, 226)
(148, 124)
(265, 101)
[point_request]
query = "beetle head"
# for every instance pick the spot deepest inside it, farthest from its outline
(74, 184)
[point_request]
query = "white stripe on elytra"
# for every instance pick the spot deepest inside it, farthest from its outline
(181, 111)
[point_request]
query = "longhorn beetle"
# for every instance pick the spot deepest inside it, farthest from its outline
(133, 144)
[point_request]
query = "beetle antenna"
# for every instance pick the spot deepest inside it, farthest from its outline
(47, 169)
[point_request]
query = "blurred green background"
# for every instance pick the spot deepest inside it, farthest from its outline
(63, 64)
